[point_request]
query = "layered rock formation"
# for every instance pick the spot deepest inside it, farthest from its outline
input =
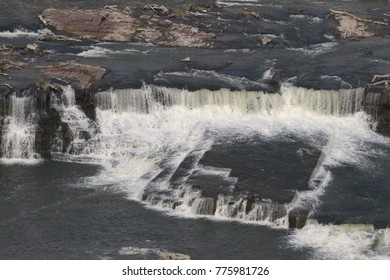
(127, 25)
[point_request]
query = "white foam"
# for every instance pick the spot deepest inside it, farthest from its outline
(97, 51)
(232, 3)
(347, 241)
(18, 135)
(317, 49)
(16, 33)
(150, 252)
(76, 119)
(144, 132)
(307, 18)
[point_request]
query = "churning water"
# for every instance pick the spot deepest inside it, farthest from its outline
(155, 146)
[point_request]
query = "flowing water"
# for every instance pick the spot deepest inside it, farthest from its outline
(211, 154)
(204, 161)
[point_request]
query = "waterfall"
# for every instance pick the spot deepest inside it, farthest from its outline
(18, 134)
(152, 139)
(150, 142)
(149, 98)
(79, 128)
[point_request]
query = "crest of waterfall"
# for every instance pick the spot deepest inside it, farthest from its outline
(18, 135)
(149, 98)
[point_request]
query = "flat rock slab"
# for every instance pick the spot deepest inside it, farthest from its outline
(79, 75)
(125, 25)
(353, 27)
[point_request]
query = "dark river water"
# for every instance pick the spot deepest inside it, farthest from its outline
(203, 159)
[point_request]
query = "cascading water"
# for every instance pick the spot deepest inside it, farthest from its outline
(18, 135)
(150, 141)
(80, 127)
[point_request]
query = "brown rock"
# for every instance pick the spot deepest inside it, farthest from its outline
(353, 27)
(265, 40)
(297, 219)
(251, 14)
(104, 24)
(33, 48)
(115, 25)
(79, 75)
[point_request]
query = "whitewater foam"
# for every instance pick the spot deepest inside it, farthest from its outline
(21, 32)
(144, 135)
(347, 241)
(317, 49)
(97, 51)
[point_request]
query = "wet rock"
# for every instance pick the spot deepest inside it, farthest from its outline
(81, 76)
(158, 8)
(9, 65)
(377, 102)
(297, 218)
(131, 24)
(34, 48)
(265, 40)
(277, 78)
(248, 13)
(6, 50)
(353, 27)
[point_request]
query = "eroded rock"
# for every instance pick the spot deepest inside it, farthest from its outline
(353, 27)
(79, 75)
(127, 25)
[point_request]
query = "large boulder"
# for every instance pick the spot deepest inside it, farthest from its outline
(353, 27)
(127, 25)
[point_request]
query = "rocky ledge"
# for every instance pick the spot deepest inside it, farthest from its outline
(153, 24)
(353, 27)
(377, 102)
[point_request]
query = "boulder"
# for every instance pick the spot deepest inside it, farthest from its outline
(265, 40)
(353, 27)
(127, 25)
(34, 48)
(81, 76)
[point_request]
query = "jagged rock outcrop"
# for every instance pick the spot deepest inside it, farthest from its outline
(377, 102)
(127, 25)
(353, 27)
